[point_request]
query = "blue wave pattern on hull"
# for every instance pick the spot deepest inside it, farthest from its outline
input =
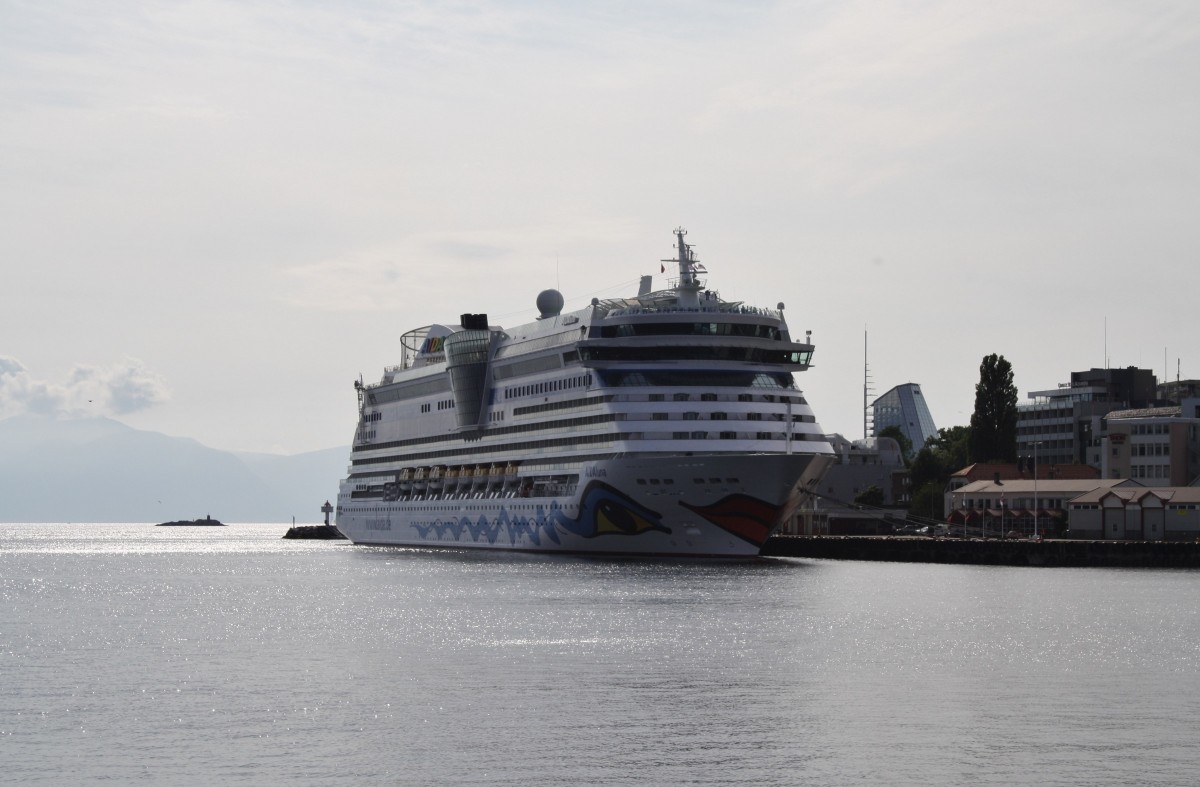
(489, 530)
(603, 511)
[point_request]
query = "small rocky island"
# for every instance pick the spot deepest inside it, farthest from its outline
(207, 521)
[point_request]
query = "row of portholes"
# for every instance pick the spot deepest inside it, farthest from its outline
(549, 386)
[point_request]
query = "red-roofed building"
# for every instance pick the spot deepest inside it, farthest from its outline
(984, 471)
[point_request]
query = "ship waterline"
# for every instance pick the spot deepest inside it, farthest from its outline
(667, 423)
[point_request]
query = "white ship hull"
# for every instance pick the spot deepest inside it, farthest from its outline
(696, 506)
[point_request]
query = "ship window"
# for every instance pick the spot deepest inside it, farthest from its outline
(689, 329)
(701, 379)
(699, 435)
(708, 397)
(682, 397)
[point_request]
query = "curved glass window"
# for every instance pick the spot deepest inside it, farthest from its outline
(747, 354)
(689, 329)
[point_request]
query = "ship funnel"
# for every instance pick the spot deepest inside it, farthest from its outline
(467, 354)
(474, 322)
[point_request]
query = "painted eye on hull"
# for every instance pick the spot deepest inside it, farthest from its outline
(614, 518)
(605, 511)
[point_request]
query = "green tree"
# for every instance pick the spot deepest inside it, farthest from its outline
(927, 501)
(994, 422)
(931, 468)
(897, 434)
(952, 447)
(871, 496)
(927, 466)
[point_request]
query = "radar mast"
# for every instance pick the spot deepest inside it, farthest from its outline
(689, 285)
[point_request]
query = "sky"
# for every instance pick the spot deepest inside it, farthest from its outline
(214, 216)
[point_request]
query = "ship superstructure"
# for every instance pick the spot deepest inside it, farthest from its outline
(667, 423)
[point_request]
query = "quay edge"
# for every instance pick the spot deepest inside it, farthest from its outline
(1050, 553)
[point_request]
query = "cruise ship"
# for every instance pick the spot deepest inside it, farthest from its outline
(667, 423)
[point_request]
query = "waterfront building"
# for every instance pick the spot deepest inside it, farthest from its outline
(1137, 513)
(1001, 506)
(1064, 426)
(859, 465)
(1158, 446)
(1001, 471)
(904, 406)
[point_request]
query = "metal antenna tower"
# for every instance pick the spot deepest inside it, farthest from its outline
(867, 414)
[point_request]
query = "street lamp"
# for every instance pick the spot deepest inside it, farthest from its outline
(1035, 494)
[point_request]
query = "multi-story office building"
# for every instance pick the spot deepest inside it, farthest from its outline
(1064, 425)
(1157, 446)
(904, 406)
(1175, 391)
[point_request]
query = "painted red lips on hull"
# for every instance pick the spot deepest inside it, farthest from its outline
(748, 518)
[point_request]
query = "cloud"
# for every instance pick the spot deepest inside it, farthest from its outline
(118, 389)
(422, 268)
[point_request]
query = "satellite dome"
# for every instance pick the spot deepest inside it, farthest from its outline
(549, 303)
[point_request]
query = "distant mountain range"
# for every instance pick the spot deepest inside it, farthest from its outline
(99, 470)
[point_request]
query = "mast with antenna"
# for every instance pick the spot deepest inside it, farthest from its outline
(866, 391)
(689, 285)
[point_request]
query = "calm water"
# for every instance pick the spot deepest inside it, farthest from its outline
(135, 654)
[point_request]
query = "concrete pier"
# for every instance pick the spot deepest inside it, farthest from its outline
(917, 549)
